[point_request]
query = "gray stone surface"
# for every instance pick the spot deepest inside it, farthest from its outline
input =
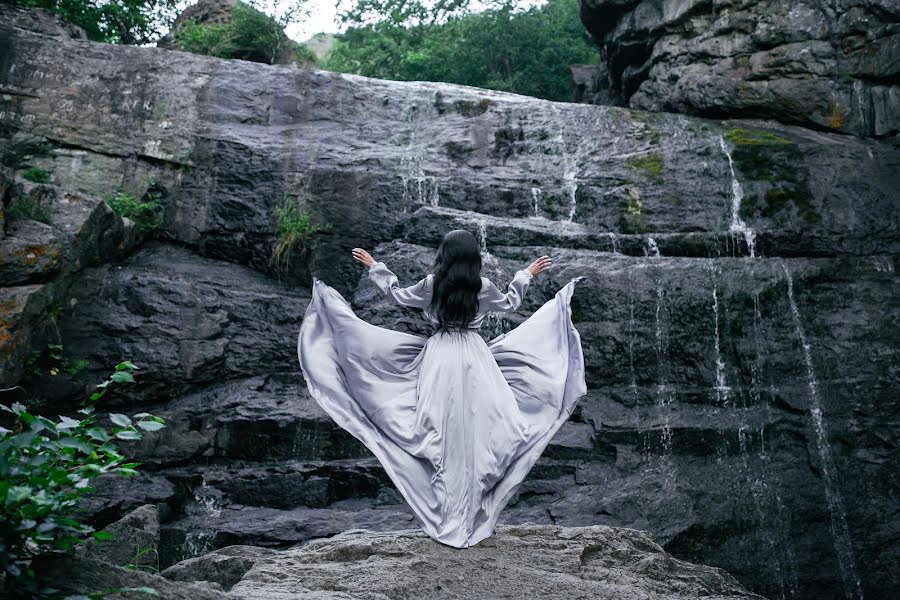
(135, 538)
(708, 370)
(517, 562)
(827, 65)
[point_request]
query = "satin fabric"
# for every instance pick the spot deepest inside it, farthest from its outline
(456, 422)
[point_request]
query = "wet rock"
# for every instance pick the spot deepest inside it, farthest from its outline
(817, 64)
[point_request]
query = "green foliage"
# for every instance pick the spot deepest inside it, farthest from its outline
(51, 360)
(119, 22)
(146, 213)
(46, 466)
(249, 35)
(295, 231)
(37, 175)
(650, 164)
(522, 51)
(29, 207)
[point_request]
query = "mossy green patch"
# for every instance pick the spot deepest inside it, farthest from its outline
(761, 156)
(650, 165)
(467, 108)
(754, 137)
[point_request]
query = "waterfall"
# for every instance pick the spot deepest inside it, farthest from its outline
(770, 509)
(652, 248)
(631, 328)
(200, 541)
(416, 184)
(663, 390)
(839, 530)
(486, 257)
(614, 243)
(723, 392)
(536, 198)
(737, 194)
(569, 168)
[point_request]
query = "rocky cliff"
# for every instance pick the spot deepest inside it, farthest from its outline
(737, 317)
(825, 65)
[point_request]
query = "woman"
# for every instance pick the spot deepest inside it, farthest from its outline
(457, 423)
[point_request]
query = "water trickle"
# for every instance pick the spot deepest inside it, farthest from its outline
(486, 257)
(631, 333)
(737, 194)
(663, 390)
(536, 198)
(417, 186)
(614, 243)
(723, 392)
(839, 530)
(652, 248)
(200, 541)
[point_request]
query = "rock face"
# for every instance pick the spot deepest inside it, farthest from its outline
(826, 65)
(562, 563)
(737, 317)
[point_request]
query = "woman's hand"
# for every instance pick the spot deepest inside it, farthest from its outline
(539, 266)
(361, 256)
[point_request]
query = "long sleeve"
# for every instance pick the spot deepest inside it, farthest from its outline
(414, 296)
(512, 299)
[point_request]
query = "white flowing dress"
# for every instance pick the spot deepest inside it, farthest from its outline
(456, 422)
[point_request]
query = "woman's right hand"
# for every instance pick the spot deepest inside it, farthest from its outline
(540, 265)
(363, 257)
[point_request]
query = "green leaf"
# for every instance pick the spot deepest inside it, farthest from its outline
(129, 434)
(126, 365)
(127, 472)
(103, 535)
(150, 425)
(70, 442)
(98, 434)
(67, 423)
(120, 419)
(122, 377)
(17, 493)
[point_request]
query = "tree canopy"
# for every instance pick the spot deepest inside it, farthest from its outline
(523, 51)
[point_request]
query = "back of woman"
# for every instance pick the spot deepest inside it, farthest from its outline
(456, 422)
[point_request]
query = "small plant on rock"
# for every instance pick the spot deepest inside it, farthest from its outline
(45, 468)
(37, 175)
(146, 213)
(296, 232)
(28, 207)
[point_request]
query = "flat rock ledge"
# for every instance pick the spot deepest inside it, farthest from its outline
(539, 561)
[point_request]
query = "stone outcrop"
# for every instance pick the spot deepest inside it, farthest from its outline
(737, 316)
(602, 563)
(826, 65)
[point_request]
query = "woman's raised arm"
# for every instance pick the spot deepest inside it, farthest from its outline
(414, 296)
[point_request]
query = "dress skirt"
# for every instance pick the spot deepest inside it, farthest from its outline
(456, 422)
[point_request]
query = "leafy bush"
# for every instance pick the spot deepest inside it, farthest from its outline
(146, 213)
(249, 35)
(295, 232)
(37, 175)
(45, 467)
(28, 207)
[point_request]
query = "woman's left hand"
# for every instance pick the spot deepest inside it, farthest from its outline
(361, 256)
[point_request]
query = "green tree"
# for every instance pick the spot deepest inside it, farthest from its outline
(113, 21)
(522, 51)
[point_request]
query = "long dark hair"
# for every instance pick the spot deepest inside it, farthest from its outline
(457, 281)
